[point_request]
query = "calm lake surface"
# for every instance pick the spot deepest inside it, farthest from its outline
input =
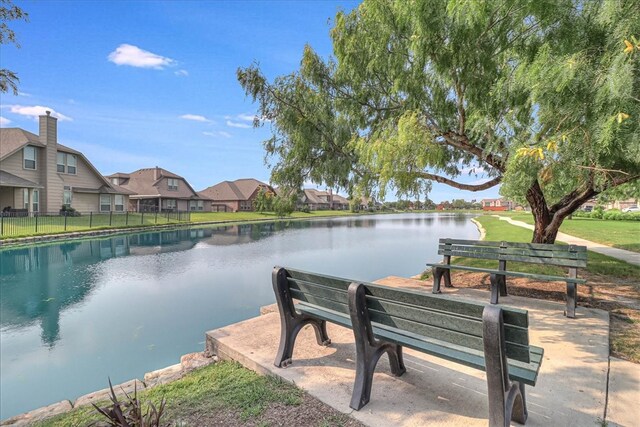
(75, 313)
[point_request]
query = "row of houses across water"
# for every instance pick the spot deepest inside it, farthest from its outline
(38, 174)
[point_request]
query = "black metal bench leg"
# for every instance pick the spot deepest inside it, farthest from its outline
(437, 276)
(495, 285)
(572, 297)
(368, 349)
(447, 279)
(503, 286)
(290, 321)
(506, 399)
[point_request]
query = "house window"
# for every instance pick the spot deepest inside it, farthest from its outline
(72, 161)
(115, 181)
(36, 200)
(66, 163)
(66, 198)
(119, 202)
(170, 203)
(246, 205)
(105, 203)
(25, 198)
(29, 154)
(196, 205)
(173, 183)
(60, 161)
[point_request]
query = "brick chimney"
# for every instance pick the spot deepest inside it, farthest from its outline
(156, 173)
(51, 194)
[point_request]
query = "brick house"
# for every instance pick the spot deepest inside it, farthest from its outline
(37, 174)
(235, 196)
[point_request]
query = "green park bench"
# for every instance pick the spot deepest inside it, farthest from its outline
(569, 256)
(491, 338)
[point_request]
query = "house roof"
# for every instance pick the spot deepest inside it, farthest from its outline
(9, 180)
(145, 183)
(240, 189)
(13, 139)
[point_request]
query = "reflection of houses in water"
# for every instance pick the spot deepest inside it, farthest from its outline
(39, 282)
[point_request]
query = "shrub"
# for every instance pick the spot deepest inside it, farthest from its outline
(129, 412)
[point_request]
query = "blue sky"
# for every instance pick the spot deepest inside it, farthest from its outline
(140, 84)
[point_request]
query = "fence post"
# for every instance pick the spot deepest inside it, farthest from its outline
(2, 224)
(156, 220)
(65, 220)
(36, 215)
(142, 218)
(167, 217)
(126, 218)
(110, 217)
(90, 219)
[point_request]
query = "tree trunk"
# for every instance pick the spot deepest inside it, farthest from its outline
(546, 226)
(548, 220)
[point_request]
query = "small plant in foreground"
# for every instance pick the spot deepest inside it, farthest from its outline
(129, 412)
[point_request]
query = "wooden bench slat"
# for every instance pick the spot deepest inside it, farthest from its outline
(513, 316)
(411, 328)
(319, 301)
(510, 273)
(507, 257)
(331, 293)
(443, 320)
(543, 246)
(548, 253)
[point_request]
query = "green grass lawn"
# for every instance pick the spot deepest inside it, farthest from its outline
(211, 396)
(32, 226)
(498, 230)
(619, 234)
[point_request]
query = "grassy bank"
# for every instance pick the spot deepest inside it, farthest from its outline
(619, 234)
(226, 394)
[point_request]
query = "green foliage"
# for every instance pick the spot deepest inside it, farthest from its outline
(284, 205)
(128, 411)
(539, 96)
(263, 201)
(9, 12)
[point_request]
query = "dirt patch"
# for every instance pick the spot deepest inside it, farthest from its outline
(311, 412)
(620, 297)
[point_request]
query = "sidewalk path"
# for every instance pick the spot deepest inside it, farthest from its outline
(621, 254)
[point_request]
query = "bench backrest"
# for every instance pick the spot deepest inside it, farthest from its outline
(572, 256)
(426, 315)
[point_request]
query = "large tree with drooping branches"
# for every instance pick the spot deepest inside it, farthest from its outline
(541, 97)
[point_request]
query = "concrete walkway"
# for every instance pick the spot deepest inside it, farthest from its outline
(571, 389)
(621, 254)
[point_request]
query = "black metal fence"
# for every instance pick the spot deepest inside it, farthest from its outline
(15, 224)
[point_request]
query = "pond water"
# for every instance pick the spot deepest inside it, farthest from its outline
(73, 314)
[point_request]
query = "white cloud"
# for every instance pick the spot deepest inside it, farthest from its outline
(195, 118)
(127, 54)
(37, 110)
(4, 122)
(238, 125)
(27, 95)
(219, 133)
(246, 117)
(476, 170)
(181, 73)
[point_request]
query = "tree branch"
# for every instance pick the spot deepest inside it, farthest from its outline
(469, 187)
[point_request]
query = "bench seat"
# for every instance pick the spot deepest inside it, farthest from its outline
(526, 373)
(509, 273)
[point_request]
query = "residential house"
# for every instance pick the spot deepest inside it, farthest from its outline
(235, 196)
(497, 204)
(622, 204)
(37, 174)
(316, 200)
(158, 190)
